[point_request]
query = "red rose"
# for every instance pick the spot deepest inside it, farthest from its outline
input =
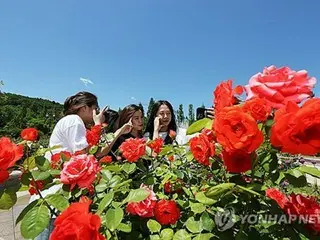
(280, 85)
(224, 95)
(258, 108)
(10, 153)
(171, 158)
(306, 207)
(277, 196)
(81, 170)
(57, 158)
(29, 134)
(175, 187)
(34, 186)
(166, 212)
(202, 148)
(143, 208)
(133, 148)
(76, 222)
(297, 130)
(237, 130)
(93, 135)
(172, 134)
(156, 145)
(167, 187)
(237, 161)
(106, 159)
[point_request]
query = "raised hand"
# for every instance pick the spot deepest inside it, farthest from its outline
(99, 118)
(157, 125)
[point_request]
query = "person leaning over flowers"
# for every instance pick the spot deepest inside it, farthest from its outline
(70, 134)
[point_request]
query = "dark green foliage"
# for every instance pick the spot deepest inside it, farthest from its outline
(18, 112)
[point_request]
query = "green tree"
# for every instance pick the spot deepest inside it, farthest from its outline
(151, 103)
(180, 114)
(191, 114)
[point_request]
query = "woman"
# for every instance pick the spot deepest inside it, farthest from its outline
(161, 122)
(131, 116)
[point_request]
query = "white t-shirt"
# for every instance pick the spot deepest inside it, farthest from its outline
(70, 134)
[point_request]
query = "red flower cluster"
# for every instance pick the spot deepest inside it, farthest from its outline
(280, 85)
(166, 212)
(81, 170)
(258, 108)
(143, 208)
(202, 147)
(34, 186)
(10, 153)
(297, 130)
(224, 95)
(133, 149)
(29, 134)
(156, 145)
(105, 159)
(93, 135)
(307, 208)
(76, 222)
(58, 158)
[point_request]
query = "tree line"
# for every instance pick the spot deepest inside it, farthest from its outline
(18, 112)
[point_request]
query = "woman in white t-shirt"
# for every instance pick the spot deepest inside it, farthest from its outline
(80, 111)
(161, 121)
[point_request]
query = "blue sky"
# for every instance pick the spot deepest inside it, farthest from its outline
(177, 50)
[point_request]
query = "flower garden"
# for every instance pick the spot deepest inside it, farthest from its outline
(227, 182)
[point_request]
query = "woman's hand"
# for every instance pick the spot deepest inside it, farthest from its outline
(125, 129)
(98, 119)
(156, 124)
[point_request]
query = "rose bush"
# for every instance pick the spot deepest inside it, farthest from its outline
(231, 168)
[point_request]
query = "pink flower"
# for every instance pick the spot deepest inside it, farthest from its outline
(280, 85)
(81, 170)
(145, 207)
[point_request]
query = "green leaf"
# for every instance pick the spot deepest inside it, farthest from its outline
(129, 167)
(217, 191)
(114, 218)
(137, 195)
(294, 172)
(57, 201)
(124, 227)
(38, 175)
(193, 226)
(166, 234)
(202, 198)
(166, 150)
(106, 175)
(93, 150)
(26, 210)
(29, 163)
(54, 172)
(153, 226)
(155, 237)
(198, 126)
(203, 236)
(101, 187)
(113, 168)
(247, 190)
(206, 222)
(189, 156)
(182, 235)
(42, 163)
(310, 170)
(105, 202)
(197, 207)
(35, 221)
(7, 199)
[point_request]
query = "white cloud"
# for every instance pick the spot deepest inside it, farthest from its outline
(86, 81)
(133, 98)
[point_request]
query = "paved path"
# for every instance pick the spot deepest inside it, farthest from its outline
(8, 230)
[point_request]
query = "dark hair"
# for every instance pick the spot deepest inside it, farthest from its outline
(127, 113)
(73, 103)
(153, 113)
(111, 117)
